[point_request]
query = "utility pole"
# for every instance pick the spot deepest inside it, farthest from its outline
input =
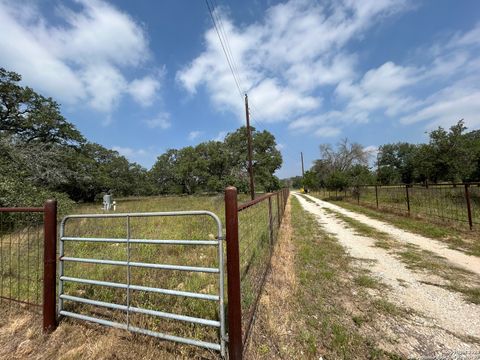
(303, 173)
(249, 140)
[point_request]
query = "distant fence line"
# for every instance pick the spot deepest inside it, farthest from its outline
(251, 233)
(453, 202)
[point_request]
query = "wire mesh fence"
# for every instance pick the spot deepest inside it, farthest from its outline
(458, 203)
(21, 257)
(258, 227)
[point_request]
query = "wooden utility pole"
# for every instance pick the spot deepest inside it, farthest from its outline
(249, 140)
(303, 173)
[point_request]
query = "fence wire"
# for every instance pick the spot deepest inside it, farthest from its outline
(457, 203)
(21, 258)
(258, 228)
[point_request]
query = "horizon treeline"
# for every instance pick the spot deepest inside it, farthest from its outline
(450, 156)
(42, 155)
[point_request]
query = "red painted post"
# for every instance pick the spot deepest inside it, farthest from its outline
(235, 347)
(49, 265)
(469, 206)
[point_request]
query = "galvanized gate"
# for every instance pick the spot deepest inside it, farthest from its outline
(127, 308)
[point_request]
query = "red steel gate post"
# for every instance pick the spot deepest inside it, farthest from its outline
(49, 265)
(469, 206)
(235, 347)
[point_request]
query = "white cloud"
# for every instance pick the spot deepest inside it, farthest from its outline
(161, 121)
(80, 60)
(144, 90)
(287, 58)
(447, 107)
(327, 131)
(293, 58)
(192, 135)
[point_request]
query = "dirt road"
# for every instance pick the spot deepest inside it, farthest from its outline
(442, 320)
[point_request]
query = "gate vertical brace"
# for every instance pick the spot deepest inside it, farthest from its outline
(49, 265)
(235, 346)
(128, 272)
(469, 206)
(408, 199)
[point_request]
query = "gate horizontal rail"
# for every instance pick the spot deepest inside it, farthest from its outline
(127, 308)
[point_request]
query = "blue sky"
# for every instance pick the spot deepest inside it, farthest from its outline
(145, 76)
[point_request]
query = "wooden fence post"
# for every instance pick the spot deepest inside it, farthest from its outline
(235, 347)
(408, 199)
(49, 265)
(469, 206)
(376, 195)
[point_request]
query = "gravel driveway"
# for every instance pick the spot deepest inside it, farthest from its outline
(443, 323)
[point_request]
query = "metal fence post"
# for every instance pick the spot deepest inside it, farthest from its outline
(270, 220)
(376, 195)
(469, 206)
(278, 209)
(408, 199)
(235, 347)
(49, 265)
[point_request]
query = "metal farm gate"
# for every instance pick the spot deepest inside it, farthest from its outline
(126, 307)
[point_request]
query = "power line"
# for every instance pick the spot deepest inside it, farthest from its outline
(223, 47)
(225, 43)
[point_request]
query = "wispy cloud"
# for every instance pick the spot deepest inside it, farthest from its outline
(192, 135)
(161, 121)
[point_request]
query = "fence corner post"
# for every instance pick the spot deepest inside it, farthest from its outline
(235, 346)
(469, 206)
(49, 265)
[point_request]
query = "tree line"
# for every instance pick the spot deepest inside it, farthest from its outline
(451, 156)
(43, 155)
